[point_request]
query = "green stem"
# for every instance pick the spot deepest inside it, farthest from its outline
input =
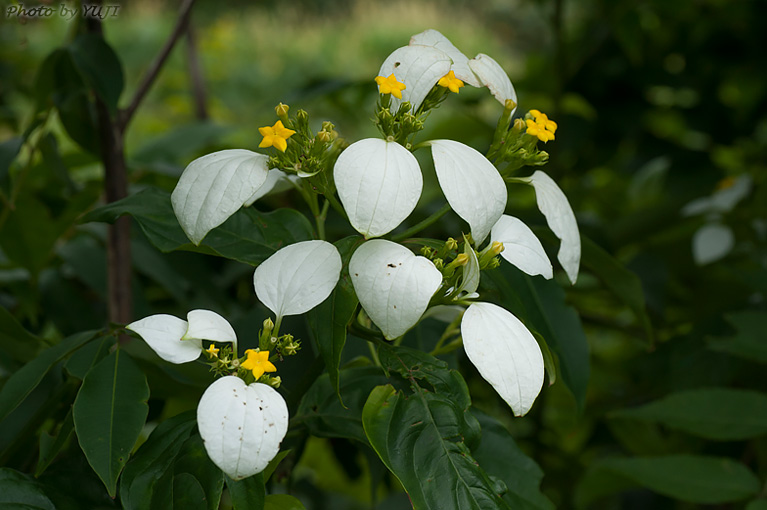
(319, 219)
(336, 205)
(422, 225)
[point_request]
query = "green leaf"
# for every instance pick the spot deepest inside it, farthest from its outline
(247, 236)
(50, 446)
(99, 66)
(624, 284)
(109, 412)
(15, 341)
(330, 318)
(20, 491)
(540, 305)
(9, 149)
(325, 415)
(26, 379)
(140, 479)
(420, 439)
(717, 413)
(757, 504)
(179, 144)
(283, 502)
(247, 493)
(499, 455)
(691, 478)
(188, 493)
(87, 357)
(29, 234)
(193, 461)
(749, 341)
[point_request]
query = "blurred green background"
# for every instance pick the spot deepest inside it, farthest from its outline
(657, 102)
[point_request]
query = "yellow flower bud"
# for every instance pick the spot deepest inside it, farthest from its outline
(282, 110)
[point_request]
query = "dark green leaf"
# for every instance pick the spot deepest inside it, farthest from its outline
(499, 455)
(193, 461)
(540, 305)
(50, 446)
(330, 319)
(247, 236)
(87, 357)
(9, 149)
(180, 144)
(322, 411)
(691, 478)
(283, 502)
(99, 66)
(248, 493)
(29, 234)
(109, 412)
(749, 341)
(18, 490)
(49, 150)
(155, 457)
(420, 439)
(78, 116)
(717, 413)
(29, 376)
(272, 466)
(15, 341)
(757, 504)
(188, 493)
(624, 284)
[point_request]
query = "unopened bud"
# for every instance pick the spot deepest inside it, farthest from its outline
(324, 136)
(439, 264)
(510, 104)
(451, 244)
(268, 324)
(496, 248)
(282, 110)
(519, 124)
(327, 126)
(275, 382)
(494, 263)
(461, 260)
(302, 116)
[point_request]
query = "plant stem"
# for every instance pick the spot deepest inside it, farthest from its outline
(422, 225)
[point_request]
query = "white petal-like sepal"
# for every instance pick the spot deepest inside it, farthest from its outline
(163, 333)
(393, 285)
(241, 426)
(298, 277)
(460, 65)
(492, 76)
(379, 184)
(471, 184)
(520, 247)
(559, 215)
(214, 187)
(208, 325)
(505, 354)
(711, 242)
(276, 181)
(419, 68)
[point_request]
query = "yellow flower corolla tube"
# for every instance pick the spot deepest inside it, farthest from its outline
(275, 136)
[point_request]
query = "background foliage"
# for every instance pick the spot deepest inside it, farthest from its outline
(662, 401)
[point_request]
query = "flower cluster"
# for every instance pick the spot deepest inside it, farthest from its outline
(376, 183)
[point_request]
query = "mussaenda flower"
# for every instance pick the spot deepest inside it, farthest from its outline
(540, 126)
(449, 81)
(390, 85)
(276, 136)
(258, 363)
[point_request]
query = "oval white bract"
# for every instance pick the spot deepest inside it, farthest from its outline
(164, 333)
(241, 426)
(214, 187)
(520, 247)
(505, 354)
(379, 184)
(298, 277)
(419, 68)
(393, 285)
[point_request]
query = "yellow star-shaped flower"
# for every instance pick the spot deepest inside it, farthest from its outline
(541, 126)
(258, 362)
(212, 350)
(276, 136)
(451, 82)
(543, 119)
(390, 85)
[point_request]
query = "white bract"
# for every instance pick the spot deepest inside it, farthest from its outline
(394, 285)
(711, 242)
(722, 200)
(472, 185)
(505, 354)
(241, 425)
(214, 187)
(471, 273)
(561, 220)
(276, 181)
(520, 247)
(298, 277)
(180, 341)
(430, 56)
(379, 184)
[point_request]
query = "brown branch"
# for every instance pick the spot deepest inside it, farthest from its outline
(195, 73)
(149, 78)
